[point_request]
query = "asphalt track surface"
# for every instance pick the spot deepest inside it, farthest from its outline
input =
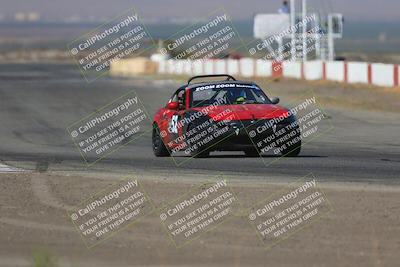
(38, 102)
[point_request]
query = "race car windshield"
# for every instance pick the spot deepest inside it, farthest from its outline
(227, 94)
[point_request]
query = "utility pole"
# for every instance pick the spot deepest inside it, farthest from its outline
(304, 28)
(293, 33)
(331, 48)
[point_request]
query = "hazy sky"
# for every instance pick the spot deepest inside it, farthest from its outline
(354, 10)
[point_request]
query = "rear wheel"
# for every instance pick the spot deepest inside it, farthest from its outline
(159, 148)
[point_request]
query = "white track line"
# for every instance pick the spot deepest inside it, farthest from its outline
(6, 169)
(37, 225)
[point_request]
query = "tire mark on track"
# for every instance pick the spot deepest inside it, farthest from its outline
(42, 191)
(36, 225)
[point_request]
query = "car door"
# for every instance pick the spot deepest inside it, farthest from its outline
(172, 118)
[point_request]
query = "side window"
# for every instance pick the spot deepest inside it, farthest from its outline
(174, 98)
(181, 99)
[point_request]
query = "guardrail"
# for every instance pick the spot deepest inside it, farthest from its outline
(341, 71)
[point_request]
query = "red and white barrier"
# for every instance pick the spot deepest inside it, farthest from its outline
(208, 67)
(263, 68)
(277, 70)
(382, 74)
(357, 72)
(187, 67)
(179, 67)
(335, 71)
(292, 69)
(162, 66)
(197, 67)
(220, 66)
(233, 66)
(313, 70)
(247, 67)
(340, 71)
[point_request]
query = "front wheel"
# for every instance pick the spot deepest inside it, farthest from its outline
(292, 151)
(203, 154)
(251, 152)
(159, 149)
(196, 151)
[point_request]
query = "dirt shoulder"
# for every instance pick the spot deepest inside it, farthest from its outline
(361, 229)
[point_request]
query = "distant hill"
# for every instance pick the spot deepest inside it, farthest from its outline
(380, 37)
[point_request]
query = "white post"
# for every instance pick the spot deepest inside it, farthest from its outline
(317, 39)
(293, 34)
(280, 49)
(331, 47)
(271, 50)
(304, 15)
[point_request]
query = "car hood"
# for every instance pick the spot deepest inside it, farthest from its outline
(244, 112)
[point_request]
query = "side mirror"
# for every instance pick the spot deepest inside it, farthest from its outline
(172, 105)
(275, 100)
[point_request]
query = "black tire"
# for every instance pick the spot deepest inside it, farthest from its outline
(203, 154)
(198, 152)
(292, 151)
(252, 152)
(158, 145)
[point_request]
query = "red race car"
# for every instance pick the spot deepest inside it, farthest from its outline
(226, 115)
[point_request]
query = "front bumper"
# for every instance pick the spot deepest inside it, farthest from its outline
(243, 135)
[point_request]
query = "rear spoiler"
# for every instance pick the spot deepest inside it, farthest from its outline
(228, 77)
